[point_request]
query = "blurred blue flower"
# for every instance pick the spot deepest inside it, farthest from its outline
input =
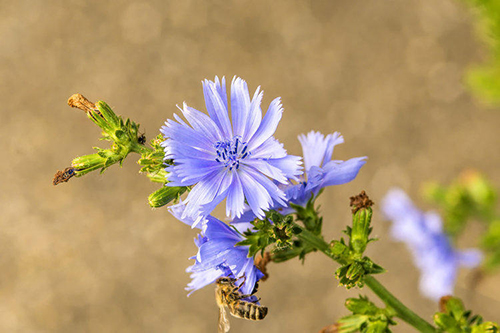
(320, 171)
(219, 256)
(431, 248)
(242, 162)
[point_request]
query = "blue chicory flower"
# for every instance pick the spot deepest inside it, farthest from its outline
(432, 250)
(218, 255)
(320, 171)
(239, 162)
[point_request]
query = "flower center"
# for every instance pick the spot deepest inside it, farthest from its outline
(230, 152)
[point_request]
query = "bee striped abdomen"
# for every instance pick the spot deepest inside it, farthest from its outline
(247, 310)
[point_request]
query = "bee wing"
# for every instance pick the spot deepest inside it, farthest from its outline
(223, 320)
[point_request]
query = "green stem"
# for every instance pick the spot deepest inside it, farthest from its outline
(402, 311)
(140, 149)
(389, 299)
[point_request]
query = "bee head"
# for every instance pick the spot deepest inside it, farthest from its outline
(226, 280)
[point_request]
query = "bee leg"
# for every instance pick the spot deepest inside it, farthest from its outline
(241, 296)
(244, 280)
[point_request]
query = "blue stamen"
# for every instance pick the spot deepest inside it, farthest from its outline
(230, 152)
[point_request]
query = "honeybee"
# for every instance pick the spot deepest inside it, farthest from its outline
(227, 293)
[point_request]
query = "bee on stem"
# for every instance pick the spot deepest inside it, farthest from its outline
(227, 294)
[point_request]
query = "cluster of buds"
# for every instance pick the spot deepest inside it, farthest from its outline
(366, 317)
(454, 318)
(470, 197)
(123, 135)
(125, 138)
(275, 229)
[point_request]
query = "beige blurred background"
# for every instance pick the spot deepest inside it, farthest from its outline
(91, 256)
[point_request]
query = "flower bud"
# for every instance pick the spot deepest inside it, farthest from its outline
(352, 323)
(377, 327)
(478, 188)
(360, 306)
(446, 322)
(362, 216)
(87, 163)
(165, 195)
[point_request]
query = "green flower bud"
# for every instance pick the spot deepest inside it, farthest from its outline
(487, 327)
(165, 195)
(352, 323)
(446, 322)
(453, 306)
(377, 327)
(338, 248)
(361, 220)
(478, 187)
(101, 160)
(354, 272)
(360, 306)
(160, 176)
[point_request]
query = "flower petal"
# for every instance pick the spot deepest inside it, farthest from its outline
(240, 105)
(470, 258)
(290, 165)
(235, 198)
(317, 149)
(254, 115)
(277, 195)
(271, 148)
(266, 168)
(258, 198)
(339, 172)
(221, 90)
(203, 124)
(217, 108)
(268, 125)
(202, 193)
(186, 134)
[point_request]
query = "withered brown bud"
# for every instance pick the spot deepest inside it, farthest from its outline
(63, 176)
(80, 102)
(442, 303)
(330, 328)
(261, 263)
(360, 201)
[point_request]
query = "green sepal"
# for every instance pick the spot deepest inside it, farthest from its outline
(309, 215)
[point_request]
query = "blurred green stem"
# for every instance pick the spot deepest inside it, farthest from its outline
(389, 299)
(140, 149)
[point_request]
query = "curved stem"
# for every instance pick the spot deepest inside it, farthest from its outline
(389, 299)
(402, 311)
